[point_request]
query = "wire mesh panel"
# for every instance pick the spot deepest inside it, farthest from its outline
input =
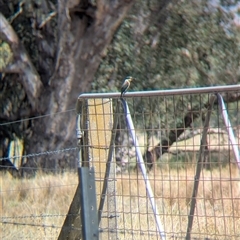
(169, 129)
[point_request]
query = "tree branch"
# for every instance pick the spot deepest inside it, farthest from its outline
(21, 63)
(174, 135)
(163, 146)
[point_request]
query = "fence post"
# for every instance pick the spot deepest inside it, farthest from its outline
(99, 133)
(71, 228)
(88, 203)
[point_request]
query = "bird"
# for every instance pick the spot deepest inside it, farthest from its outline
(126, 85)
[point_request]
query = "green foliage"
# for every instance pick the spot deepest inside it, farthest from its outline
(198, 45)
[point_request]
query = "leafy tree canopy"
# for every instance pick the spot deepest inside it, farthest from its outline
(197, 46)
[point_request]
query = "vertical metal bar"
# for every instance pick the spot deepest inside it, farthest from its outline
(79, 139)
(199, 168)
(144, 171)
(88, 203)
(229, 129)
(87, 187)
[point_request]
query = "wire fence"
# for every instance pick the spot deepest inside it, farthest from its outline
(169, 129)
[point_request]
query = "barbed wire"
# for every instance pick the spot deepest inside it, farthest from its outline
(37, 117)
(39, 225)
(4, 218)
(43, 169)
(41, 153)
(38, 216)
(101, 230)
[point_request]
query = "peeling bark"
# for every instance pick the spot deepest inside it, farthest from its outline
(21, 63)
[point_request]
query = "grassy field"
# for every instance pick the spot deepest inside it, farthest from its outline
(37, 206)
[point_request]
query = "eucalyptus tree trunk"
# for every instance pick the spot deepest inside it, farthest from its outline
(51, 51)
(64, 44)
(84, 32)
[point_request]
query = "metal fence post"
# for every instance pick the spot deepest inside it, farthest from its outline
(88, 203)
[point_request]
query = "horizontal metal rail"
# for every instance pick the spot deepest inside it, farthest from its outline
(169, 92)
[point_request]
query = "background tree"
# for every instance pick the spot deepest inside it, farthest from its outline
(66, 41)
(164, 44)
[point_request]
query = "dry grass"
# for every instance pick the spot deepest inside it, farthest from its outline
(34, 198)
(28, 201)
(217, 210)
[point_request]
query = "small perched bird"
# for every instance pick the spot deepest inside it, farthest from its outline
(126, 85)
